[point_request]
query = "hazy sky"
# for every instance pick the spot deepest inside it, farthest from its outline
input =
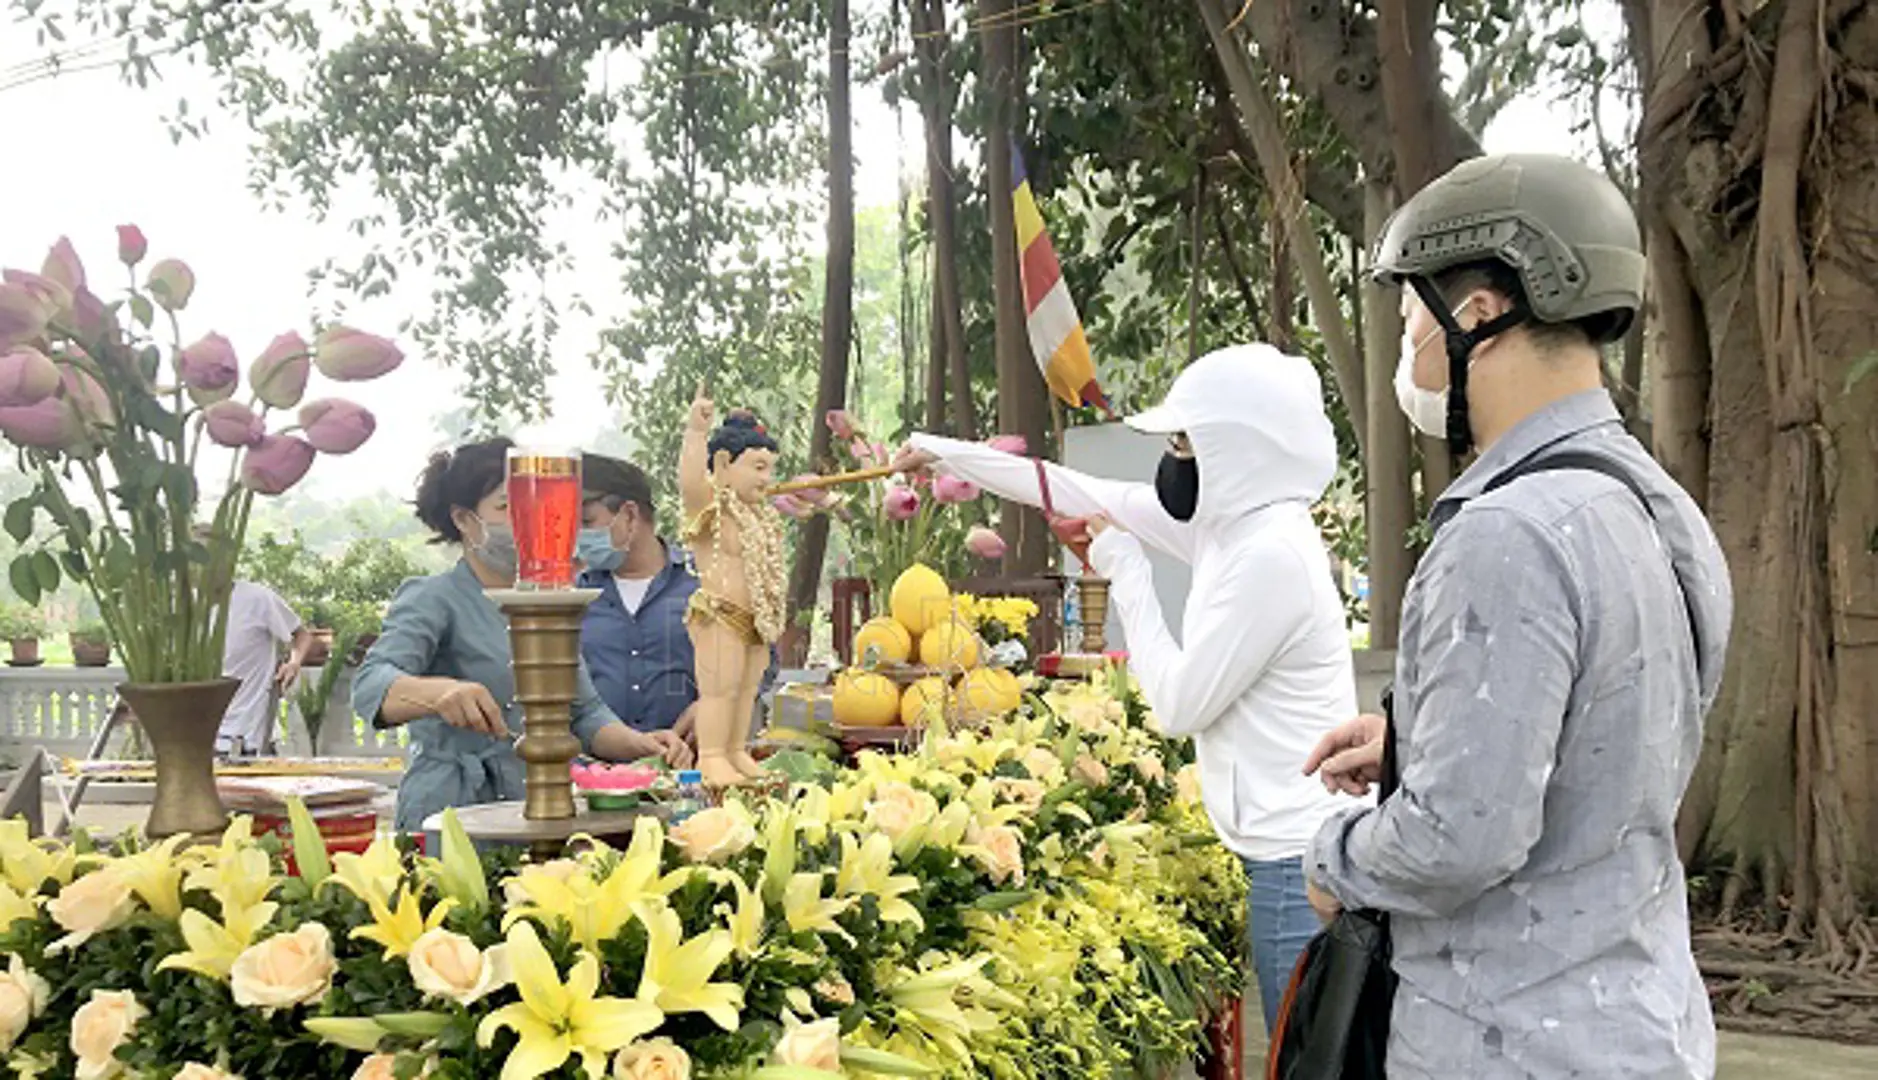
(100, 156)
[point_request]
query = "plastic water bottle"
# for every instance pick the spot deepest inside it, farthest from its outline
(691, 795)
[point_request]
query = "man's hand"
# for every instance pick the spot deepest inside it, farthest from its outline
(687, 726)
(472, 707)
(1323, 903)
(1097, 525)
(288, 671)
(672, 748)
(1349, 759)
(909, 461)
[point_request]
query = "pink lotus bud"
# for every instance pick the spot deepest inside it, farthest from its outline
(232, 424)
(63, 266)
(901, 502)
(951, 489)
(172, 283)
(26, 377)
(50, 425)
(22, 316)
(984, 543)
(131, 245)
(87, 397)
(350, 355)
(90, 321)
(279, 374)
(841, 424)
(336, 426)
(790, 506)
(1009, 444)
(210, 366)
(860, 449)
(275, 464)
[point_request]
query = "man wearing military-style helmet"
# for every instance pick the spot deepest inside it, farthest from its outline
(1562, 641)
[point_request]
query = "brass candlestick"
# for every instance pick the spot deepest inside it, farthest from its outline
(544, 639)
(1092, 593)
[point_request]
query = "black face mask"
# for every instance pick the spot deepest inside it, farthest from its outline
(1177, 482)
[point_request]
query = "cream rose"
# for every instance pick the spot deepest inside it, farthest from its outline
(1187, 784)
(194, 1071)
(812, 1046)
(836, 989)
(1041, 763)
(99, 1027)
(999, 850)
(23, 996)
(285, 970)
(1152, 769)
(716, 835)
(896, 808)
(377, 1067)
(449, 965)
(659, 1059)
(1025, 793)
(101, 900)
(1091, 771)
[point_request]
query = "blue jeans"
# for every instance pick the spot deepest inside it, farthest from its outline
(1280, 923)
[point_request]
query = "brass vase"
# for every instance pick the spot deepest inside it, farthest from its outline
(181, 720)
(1092, 593)
(544, 639)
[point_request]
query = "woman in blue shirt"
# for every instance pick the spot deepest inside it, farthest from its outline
(442, 662)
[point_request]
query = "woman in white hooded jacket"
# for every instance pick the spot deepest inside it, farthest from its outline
(1261, 670)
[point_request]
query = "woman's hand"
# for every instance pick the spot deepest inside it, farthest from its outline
(471, 707)
(911, 461)
(1349, 759)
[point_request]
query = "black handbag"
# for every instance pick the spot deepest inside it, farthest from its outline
(1334, 1021)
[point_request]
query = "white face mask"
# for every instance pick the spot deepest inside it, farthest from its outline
(1427, 410)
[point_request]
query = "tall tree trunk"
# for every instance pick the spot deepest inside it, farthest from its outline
(1023, 406)
(1389, 500)
(1770, 315)
(1259, 112)
(837, 325)
(935, 101)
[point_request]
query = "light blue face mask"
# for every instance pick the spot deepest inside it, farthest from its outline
(594, 548)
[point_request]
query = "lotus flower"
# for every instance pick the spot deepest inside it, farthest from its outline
(951, 490)
(984, 543)
(172, 283)
(90, 321)
(87, 397)
(26, 377)
(279, 374)
(50, 425)
(275, 464)
(209, 368)
(22, 316)
(63, 266)
(349, 355)
(232, 424)
(131, 245)
(841, 424)
(901, 502)
(1009, 444)
(336, 426)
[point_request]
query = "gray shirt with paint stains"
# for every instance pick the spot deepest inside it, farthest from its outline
(1549, 708)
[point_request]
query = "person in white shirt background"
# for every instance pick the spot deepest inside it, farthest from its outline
(259, 624)
(1261, 669)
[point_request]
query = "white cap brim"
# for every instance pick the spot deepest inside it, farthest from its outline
(1160, 420)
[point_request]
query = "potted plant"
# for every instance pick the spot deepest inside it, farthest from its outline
(22, 627)
(91, 644)
(110, 409)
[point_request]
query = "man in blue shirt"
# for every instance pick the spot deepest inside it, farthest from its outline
(633, 636)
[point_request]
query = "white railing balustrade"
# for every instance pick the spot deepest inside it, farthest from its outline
(63, 708)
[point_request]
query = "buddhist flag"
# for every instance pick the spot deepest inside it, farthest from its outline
(1056, 335)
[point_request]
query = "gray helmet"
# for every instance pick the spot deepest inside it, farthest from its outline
(1564, 228)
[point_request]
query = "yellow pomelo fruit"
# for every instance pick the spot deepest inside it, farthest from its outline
(864, 699)
(1006, 682)
(920, 599)
(921, 700)
(950, 646)
(987, 692)
(888, 641)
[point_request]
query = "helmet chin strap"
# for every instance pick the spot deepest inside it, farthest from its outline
(1461, 343)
